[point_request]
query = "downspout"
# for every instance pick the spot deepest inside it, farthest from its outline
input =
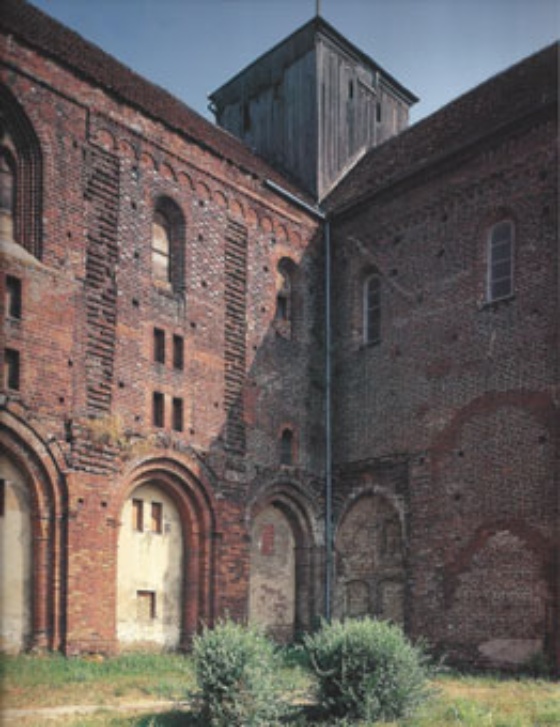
(328, 430)
(319, 214)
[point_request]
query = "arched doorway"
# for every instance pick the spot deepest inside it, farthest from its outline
(16, 563)
(165, 560)
(282, 585)
(33, 504)
(272, 592)
(369, 577)
(150, 570)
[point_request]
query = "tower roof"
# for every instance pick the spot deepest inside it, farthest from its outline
(301, 41)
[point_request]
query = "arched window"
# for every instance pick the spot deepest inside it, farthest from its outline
(20, 177)
(161, 248)
(500, 261)
(287, 447)
(372, 308)
(283, 297)
(168, 244)
(7, 195)
(284, 313)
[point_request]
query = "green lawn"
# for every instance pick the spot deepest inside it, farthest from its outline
(50, 681)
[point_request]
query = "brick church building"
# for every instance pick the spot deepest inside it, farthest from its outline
(302, 362)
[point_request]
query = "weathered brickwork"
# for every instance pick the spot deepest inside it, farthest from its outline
(86, 339)
(170, 348)
(464, 386)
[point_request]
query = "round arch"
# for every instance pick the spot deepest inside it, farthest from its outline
(34, 528)
(370, 557)
(284, 567)
(187, 491)
(518, 562)
(28, 173)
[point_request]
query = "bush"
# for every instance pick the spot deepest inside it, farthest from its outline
(367, 669)
(236, 669)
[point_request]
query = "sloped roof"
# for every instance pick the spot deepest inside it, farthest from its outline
(505, 99)
(87, 60)
(301, 40)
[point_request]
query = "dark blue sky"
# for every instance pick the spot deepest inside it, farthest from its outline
(437, 48)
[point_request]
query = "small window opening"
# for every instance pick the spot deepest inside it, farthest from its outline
(178, 415)
(11, 369)
(372, 309)
(159, 345)
(378, 115)
(287, 447)
(246, 117)
(158, 409)
(138, 515)
(500, 261)
(13, 297)
(156, 525)
(282, 308)
(146, 606)
(2, 497)
(178, 353)
(350, 89)
(283, 313)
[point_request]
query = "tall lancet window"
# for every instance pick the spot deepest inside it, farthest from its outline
(20, 177)
(7, 194)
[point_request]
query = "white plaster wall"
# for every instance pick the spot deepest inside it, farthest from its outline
(15, 561)
(272, 583)
(149, 561)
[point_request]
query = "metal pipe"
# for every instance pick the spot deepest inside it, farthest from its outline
(315, 211)
(328, 432)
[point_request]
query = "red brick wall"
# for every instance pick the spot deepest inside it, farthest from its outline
(466, 389)
(451, 419)
(86, 334)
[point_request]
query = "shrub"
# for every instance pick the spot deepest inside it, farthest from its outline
(367, 669)
(236, 669)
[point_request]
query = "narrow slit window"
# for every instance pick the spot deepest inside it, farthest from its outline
(158, 409)
(2, 497)
(283, 296)
(178, 414)
(178, 353)
(500, 261)
(138, 515)
(372, 309)
(159, 345)
(12, 369)
(13, 297)
(287, 447)
(156, 525)
(282, 312)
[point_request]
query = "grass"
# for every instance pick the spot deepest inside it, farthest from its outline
(50, 681)
(490, 701)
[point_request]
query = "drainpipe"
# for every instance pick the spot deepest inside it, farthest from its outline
(318, 213)
(328, 431)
